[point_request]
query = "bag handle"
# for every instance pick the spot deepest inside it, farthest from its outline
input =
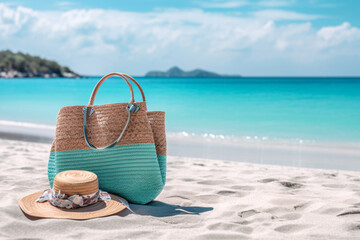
(123, 76)
(137, 84)
(132, 107)
(94, 92)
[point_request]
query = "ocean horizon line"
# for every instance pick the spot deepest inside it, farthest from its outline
(242, 76)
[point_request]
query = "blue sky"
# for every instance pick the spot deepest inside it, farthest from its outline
(253, 38)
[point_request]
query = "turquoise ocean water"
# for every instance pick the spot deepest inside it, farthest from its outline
(304, 109)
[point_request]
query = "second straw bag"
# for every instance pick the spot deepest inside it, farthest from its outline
(122, 143)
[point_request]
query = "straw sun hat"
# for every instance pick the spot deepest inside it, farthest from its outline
(75, 195)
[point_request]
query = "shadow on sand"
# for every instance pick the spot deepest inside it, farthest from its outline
(154, 208)
(161, 209)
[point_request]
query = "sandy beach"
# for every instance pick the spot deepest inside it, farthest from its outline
(230, 119)
(202, 199)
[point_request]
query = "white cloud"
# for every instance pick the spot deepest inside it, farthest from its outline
(293, 36)
(98, 41)
(237, 4)
(276, 3)
(64, 3)
(14, 20)
(284, 15)
(333, 36)
(229, 4)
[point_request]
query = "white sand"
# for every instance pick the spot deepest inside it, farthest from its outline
(203, 199)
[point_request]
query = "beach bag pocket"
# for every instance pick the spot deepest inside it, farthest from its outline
(122, 143)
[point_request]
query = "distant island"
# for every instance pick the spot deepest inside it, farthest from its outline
(20, 65)
(179, 73)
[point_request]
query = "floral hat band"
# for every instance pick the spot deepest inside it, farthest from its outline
(75, 194)
(63, 200)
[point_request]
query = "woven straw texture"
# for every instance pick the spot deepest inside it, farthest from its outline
(45, 210)
(71, 183)
(103, 127)
(135, 168)
(76, 182)
(157, 123)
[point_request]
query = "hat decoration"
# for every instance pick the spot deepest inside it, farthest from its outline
(75, 195)
(75, 201)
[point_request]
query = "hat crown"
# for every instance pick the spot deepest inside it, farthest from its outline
(76, 182)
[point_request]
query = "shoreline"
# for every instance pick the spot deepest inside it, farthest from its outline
(341, 156)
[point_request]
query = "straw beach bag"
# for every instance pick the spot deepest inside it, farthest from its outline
(122, 143)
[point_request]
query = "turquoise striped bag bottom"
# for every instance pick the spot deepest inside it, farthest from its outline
(137, 178)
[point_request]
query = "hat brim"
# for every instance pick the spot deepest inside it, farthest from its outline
(45, 210)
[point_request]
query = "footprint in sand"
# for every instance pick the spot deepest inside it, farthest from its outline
(188, 179)
(291, 228)
(330, 211)
(27, 168)
(5, 155)
(177, 196)
(330, 175)
(214, 182)
(290, 216)
(226, 192)
(291, 185)
(232, 193)
(245, 188)
(357, 205)
(220, 235)
(302, 206)
(267, 180)
(349, 212)
(248, 213)
(199, 164)
(301, 177)
(355, 227)
(245, 222)
(334, 185)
